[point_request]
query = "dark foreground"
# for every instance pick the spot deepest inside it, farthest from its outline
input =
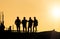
(39, 35)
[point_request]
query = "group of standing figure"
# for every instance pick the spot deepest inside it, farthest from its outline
(31, 23)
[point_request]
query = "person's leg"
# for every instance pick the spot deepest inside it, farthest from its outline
(36, 28)
(17, 29)
(33, 28)
(23, 29)
(28, 29)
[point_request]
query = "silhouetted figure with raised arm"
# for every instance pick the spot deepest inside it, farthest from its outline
(30, 22)
(17, 23)
(2, 27)
(24, 23)
(35, 24)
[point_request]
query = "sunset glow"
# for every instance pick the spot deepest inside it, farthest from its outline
(47, 12)
(56, 12)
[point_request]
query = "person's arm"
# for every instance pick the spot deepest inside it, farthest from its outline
(37, 22)
(32, 21)
(20, 21)
(15, 21)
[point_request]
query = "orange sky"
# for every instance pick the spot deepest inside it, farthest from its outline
(30, 8)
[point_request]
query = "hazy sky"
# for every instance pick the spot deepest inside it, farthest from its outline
(42, 9)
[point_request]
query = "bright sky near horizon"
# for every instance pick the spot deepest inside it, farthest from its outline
(46, 11)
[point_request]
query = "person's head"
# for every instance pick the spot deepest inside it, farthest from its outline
(34, 17)
(17, 17)
(24, 18)
(29, 18)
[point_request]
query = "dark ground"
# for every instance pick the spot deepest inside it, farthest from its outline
(37, 35)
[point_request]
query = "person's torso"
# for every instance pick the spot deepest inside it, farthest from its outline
(35, 22)
(24, 21)
(30, 22)
(17, 22)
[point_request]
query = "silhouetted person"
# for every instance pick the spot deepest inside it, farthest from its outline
(24, 23)
(2, 27)
(35, 24)
(30, 22)
(17, 23)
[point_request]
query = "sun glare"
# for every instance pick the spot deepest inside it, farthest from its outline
(56, 12)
